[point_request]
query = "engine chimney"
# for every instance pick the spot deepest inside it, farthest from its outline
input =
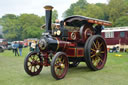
(48, 17)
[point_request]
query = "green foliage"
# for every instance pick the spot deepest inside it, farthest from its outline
(21, 27)
(94, 11)
(54, 15)
(117, 8)
(9, 26)
(77, 8)
(122, 21)
(113, 11)
(30, 25)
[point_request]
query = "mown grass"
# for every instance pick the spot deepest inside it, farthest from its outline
(115, 72)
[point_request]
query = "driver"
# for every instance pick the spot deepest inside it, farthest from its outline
(57, 28)
(57, 24)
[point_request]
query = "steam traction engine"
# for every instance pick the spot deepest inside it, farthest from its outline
(77, 40)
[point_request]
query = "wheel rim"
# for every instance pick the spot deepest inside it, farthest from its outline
(33, 63)
(61, 66)
(98, 53)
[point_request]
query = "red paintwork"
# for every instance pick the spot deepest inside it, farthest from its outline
(45, 61)
(71, 52)
(80, 52)
(75, 52)
(117, 39)
(76, 33)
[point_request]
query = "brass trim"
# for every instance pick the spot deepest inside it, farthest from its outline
(48, 7)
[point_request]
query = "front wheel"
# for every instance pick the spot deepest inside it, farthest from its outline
(33, 64)
(95, 52)
(59, 65)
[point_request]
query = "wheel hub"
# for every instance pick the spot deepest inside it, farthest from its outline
(62, 66)
(97, 52)
(34, 63)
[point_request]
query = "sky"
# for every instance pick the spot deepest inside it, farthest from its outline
(18, 7)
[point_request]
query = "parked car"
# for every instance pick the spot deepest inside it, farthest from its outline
(9, 47)
(1, 49)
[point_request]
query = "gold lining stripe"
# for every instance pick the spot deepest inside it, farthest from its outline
(78, 53)
(57, 44)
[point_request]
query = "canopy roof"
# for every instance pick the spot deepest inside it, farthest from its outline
(78, 21)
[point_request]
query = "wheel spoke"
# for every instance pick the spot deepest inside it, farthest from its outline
(63, 61)
(31, 68)
(100, 45)
(99, 58)
(32, 57)
(93, 50)
(29, 61)
(93, 55)
(59, 71)
(94, 45)
(94, 62)
(29, 65)
(97, 42)
(36, 67)
(102, 52)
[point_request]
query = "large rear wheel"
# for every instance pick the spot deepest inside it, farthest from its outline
(95, 52)
(59, 65)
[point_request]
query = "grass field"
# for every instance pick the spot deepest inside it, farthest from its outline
(115, 72)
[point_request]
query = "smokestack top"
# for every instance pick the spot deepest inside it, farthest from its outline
(48, 7)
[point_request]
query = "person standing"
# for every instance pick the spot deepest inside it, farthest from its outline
(20, 48)
(36, 47)
(13, 50)
(16, 45)
(33, 45)
(30, 48)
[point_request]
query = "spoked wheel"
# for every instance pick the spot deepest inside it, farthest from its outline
(33, 64)
(59, 65)
(95, 52)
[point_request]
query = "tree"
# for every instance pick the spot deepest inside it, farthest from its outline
(8, 22)
(113, 11)
(122, 21)
(30, 23)
(10, 16)
(21, 27)
(94, 11)
(104, 9)
(77, 8)
(54, 15)
(117, 8)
